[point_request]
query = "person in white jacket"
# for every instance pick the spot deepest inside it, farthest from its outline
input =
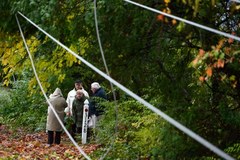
(71, 96)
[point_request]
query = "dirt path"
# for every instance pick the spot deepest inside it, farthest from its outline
(18, 145)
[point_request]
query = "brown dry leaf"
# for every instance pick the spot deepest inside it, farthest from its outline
(227, 50)
(32, 146)
(220, 44)
(3, 153)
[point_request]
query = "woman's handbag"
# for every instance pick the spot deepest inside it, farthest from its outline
(92, 121)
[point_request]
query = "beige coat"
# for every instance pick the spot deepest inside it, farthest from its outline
(59, 104)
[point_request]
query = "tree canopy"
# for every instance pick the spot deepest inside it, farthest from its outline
(187, 72)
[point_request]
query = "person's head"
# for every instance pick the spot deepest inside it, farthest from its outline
(95, 86)
(79, 94)
(78, 84)
(56, 93)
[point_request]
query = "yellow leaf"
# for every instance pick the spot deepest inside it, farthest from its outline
(60, 63)
(4, 61)
(73, 48)
(232, 78)
(234, 84)
(61, 77)
(167, 1)
(5, 70)
(196, 7)
(174, 22)
(6, 82)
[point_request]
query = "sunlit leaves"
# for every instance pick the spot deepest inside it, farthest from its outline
(15, 60)
(181, 26)
(196, 6)
(71, 59)
(215, 61)
(167, 1)
(15, 54)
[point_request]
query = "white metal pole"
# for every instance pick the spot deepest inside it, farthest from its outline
(85, 121)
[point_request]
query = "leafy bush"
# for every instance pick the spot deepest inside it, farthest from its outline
(234, 150)
(22, 109)
(138, 131)
(4, 98)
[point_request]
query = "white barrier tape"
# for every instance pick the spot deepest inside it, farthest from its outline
(148, 105)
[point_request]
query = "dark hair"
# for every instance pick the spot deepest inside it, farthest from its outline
(78, 81)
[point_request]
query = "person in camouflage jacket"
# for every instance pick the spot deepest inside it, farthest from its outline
(77, 110)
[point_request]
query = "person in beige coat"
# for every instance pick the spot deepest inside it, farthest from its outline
(53, 126)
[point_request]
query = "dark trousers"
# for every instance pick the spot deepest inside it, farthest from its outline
(72, 130)
(79, 130)
(54, 138)
(90, 134)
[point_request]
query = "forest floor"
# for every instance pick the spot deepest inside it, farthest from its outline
(23, 146)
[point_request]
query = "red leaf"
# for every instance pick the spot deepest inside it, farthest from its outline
(160, 17)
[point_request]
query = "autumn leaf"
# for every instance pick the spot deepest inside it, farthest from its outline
(167, 1)
(33, 146)
(220, 63)
(209, 71)
(201, 52)
(160, 17)
(227, 50)
(230, 40)
(168, 11)
(4, 154)
(201, 78)
(220, 44)
(195, 61)
(174, 22)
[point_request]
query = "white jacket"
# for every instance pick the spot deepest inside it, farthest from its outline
(70, 98)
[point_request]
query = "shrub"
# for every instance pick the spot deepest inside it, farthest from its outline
(22, 109)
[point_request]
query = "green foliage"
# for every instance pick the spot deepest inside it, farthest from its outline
(138, 131)
(68, 122)
(234, 150)
(149, 54)
(4, 97)
(23, 110)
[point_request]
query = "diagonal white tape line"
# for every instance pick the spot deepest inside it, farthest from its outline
(55, 113)
(148, 105)
(186, 21)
